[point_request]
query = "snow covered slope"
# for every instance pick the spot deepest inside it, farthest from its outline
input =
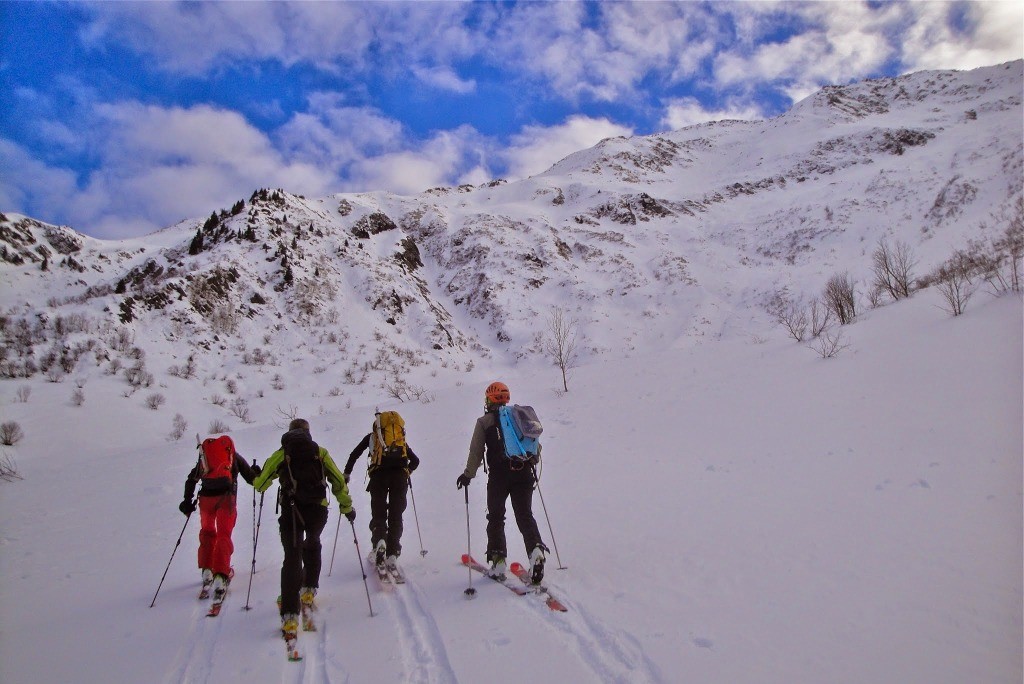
(733, 512)
(730, 506)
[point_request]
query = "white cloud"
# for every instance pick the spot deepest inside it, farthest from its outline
(993, 35)
(536, 148)
(444, 79)
(447, 158)
(688, 111)
(26, 182)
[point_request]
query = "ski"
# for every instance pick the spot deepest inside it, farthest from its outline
(470, 562)
(218, 602)
(396, 574)
(520, 571)
(291, 644)
(308, 621)
(382, 574)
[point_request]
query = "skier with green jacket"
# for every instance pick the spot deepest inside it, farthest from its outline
(304, 469)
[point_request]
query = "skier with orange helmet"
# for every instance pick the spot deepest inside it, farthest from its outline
(507, 479)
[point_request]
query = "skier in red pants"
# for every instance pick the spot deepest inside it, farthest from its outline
(217, 469)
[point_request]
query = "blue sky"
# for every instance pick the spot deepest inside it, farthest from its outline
(120, 118)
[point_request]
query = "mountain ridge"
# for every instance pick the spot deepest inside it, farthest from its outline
(648, 242)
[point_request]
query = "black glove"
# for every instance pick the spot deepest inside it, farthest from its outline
(351, 515)
(463, 481)
(414, 463)
(187, 507)
(256, 469)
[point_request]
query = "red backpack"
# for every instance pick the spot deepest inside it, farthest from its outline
(218, 457)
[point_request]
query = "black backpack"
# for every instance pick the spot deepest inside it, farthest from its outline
(303, 478)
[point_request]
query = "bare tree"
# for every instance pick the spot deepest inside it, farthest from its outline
(892, 267)
(561, 342)
(840, 297)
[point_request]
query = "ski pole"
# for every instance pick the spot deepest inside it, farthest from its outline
(415, 515)
(176, 545)
(335, 549)
(361, 569)
(470, 590)
(255, 541)
(551, 531)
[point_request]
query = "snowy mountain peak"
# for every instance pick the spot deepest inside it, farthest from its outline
(647, 242)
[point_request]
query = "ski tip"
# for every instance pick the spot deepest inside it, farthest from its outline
(466, 558)
(517, 567)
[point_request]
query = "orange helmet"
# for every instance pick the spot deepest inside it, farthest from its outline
(497, 393)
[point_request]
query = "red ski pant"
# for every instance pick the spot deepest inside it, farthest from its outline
(217, 516)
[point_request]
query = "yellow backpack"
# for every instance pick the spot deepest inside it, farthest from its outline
(387, 441)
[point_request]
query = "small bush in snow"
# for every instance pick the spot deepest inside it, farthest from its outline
(10, 433)
(828, 345)
(790, 314)
(218, 427)
(22, 394)
(178, 427)
(840, 298)
(78, 397)
(240, 409)
(8, 469)
(155, 401)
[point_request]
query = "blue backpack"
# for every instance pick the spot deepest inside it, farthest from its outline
(520, 431)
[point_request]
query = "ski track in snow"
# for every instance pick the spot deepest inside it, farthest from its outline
(611, 654)
(424, 654)
(193, 662)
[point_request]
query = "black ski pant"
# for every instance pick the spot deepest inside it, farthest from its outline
(301, 525)
(516, 485)
(388, 498)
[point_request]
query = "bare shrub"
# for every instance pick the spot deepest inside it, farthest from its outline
(22, 394)
(10, 433)
(218, 426)
(240, 409)
(78, 397)
(218, 400)
(178, 427)
(155, 401)
(403, 391)
(8, 469)
(840, 298)
(277, 382)
(955, 286)
(892, 267)
(185, 371)
(828, 345)
(790, 313)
